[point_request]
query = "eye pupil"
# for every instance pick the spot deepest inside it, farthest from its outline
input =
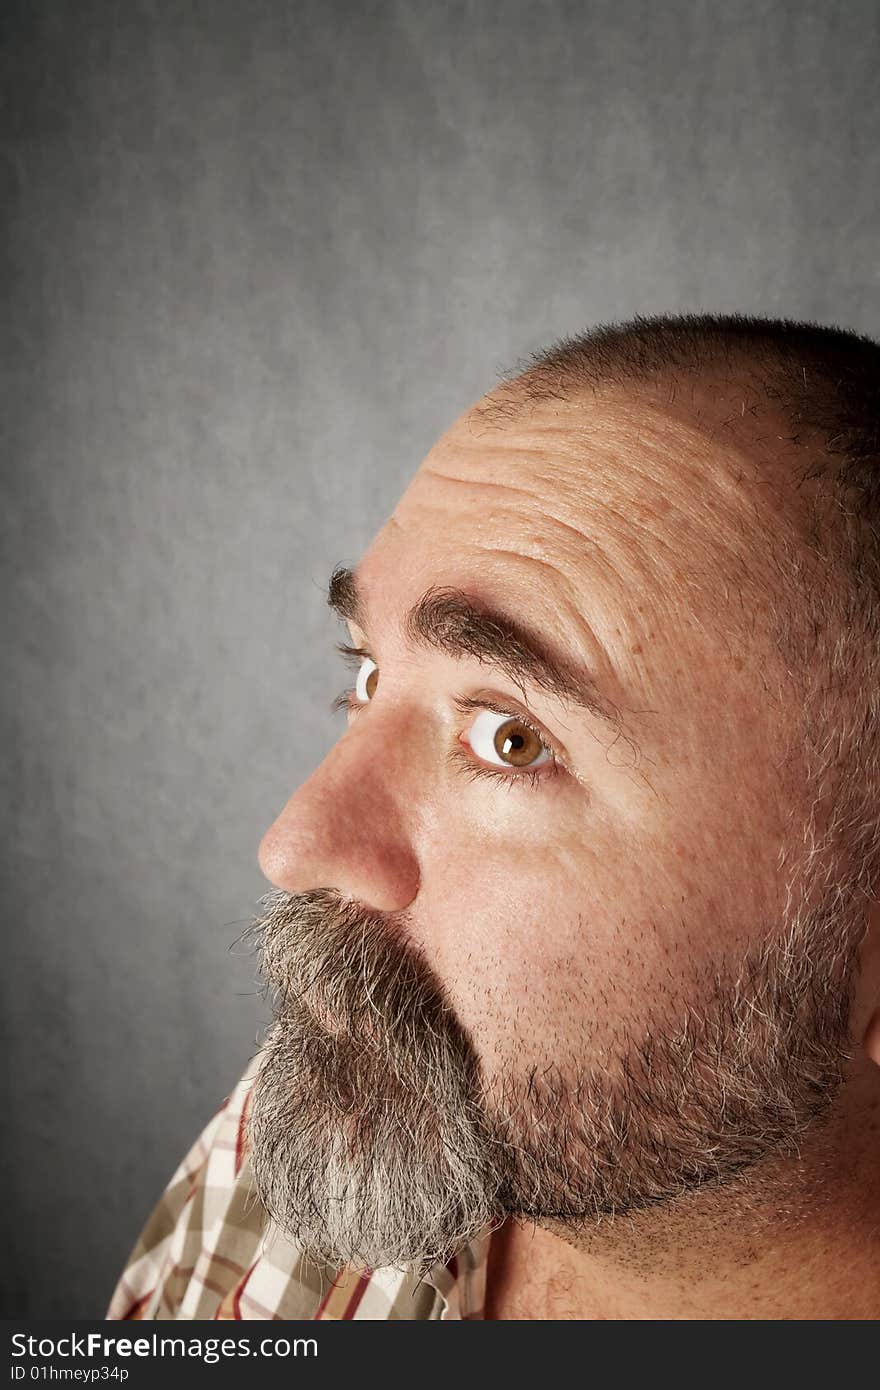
(520, 747)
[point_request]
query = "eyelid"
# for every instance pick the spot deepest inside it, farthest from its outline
(465, 703)
(351, 654)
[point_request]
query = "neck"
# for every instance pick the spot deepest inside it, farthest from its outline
(793, 1238)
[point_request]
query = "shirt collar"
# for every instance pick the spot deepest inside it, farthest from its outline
(461, 1281)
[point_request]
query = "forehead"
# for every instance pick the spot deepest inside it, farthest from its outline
(614, 497)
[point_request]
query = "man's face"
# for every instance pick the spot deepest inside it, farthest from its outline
(529, 959)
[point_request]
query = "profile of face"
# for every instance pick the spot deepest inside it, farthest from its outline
(551, 934)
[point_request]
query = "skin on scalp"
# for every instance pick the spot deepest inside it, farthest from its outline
(563, 921)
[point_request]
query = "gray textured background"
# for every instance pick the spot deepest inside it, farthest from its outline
(257, 257)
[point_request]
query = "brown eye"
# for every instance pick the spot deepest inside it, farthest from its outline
(508, 743)
(516, 743)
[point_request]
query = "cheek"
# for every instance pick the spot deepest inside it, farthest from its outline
(554, 953)
(528, 945)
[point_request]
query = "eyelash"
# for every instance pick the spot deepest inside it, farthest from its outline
(353, 656)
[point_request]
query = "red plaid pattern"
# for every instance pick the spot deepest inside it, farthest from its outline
(209, 1250)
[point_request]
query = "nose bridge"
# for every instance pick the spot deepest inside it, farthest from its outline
(349, 826)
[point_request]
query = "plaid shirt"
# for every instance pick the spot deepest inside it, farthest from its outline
(208, 1250)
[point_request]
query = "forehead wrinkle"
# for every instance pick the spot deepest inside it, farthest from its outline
(595, 509)
(626, 444)
(621, 537)
(625, 471)
(581, 537)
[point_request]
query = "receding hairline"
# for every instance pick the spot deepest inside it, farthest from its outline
(809, 387)
(644, 348)
(797, 398)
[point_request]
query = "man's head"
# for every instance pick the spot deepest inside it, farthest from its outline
(573, 920)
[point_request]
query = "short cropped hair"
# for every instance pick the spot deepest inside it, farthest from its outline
(823, 384)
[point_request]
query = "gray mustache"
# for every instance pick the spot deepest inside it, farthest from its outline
(332, 968)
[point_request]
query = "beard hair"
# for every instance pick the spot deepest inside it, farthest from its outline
(368, 1143)
(376, 1141)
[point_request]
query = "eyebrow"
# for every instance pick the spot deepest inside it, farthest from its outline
(446, 619)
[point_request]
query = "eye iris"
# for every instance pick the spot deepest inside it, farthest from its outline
(372, 682)
(516, 742)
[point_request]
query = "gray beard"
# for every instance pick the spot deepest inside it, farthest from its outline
(376, 1141)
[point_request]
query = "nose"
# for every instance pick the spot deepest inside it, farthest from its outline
(349, 826)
